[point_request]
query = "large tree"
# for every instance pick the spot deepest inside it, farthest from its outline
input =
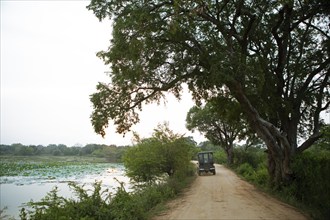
(273, 56)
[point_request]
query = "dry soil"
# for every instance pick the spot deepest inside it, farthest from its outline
(226, 196)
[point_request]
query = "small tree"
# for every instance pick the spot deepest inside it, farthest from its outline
(163, 153)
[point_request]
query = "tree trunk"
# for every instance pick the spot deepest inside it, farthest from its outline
(230, 155)
(279, 169)
(279, 149)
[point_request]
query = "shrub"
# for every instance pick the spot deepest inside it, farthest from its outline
(126, 206)
(312, 181)
(246, 170)
(86, 206)
(163, 153)
(220, 157)
(253, 156)
(261, 176)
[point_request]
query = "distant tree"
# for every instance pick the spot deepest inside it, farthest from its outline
(273, 57)
(208, 146)
(50, 149)
(17, 148)
(34, 150)
(57, 152)
(6, 149)
(221, 121)
(109, 152)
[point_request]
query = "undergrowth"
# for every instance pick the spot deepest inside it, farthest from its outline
(310, 187)
(102, 205)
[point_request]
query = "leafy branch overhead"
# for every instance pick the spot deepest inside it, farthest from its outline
(272, 56)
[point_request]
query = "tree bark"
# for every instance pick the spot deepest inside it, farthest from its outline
(230, 155)
(279, 149)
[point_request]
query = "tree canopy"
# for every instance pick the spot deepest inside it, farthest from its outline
(272, 56)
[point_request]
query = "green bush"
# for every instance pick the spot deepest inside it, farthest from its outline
(220, 157)
(253, 156)
(258, 176)
(311, 185)
(55, 207)
(246, 170)
(261, 176)
(151, 196)
(126, 206)
(163, 153)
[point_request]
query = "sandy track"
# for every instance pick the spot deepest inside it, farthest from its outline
(226, 196)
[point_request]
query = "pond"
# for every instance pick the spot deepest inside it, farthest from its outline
(35, 182)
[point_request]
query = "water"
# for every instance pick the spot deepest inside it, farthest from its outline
(14, 191)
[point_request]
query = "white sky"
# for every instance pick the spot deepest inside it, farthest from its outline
(49, 69)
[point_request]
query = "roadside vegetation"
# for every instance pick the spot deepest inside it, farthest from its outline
(159, 167)
(310, 187)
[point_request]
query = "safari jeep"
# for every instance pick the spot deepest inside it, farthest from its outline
(205, 162)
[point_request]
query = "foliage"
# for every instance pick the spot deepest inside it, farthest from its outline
(272, 57)
(221, 121)
(253, 156)
(112, 153)
(220, 157)
(218, 118)
(85, 207)
(208, 146)
(323, 144)
(98, 204)
(261, 176)
(311, 185)
(258, 176)
(246, 170)
(164, 152)
(143, 162)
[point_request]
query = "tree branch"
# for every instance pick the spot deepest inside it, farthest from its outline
(309, 142)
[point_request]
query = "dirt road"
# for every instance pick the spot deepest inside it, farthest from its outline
(226, 196)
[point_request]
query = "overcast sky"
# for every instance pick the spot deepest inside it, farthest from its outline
(49, 69)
